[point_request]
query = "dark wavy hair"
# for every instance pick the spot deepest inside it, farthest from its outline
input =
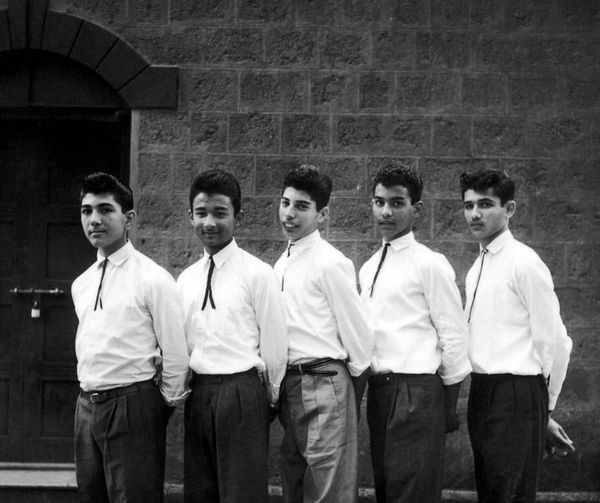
(217, 181)
(400, 174)
(502, 185)
(309, 179)
(105, 183)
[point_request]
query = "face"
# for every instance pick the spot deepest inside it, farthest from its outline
(393, 211)
(298, 214)
(213, 219)
(486, 216)
(104, 222)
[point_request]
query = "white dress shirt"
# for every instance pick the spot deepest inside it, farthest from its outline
(416, 312)
(247, 327)
(325, 316)
(138, 329)
(515, 322)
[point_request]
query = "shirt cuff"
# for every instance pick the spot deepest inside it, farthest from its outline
(357, 369)
(175, 401)
(456, 377)
(274, 398)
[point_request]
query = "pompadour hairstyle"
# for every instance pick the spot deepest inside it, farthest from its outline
(400, 174)
(502, 185)
(217, 181)
(105, 183)
(309, 179)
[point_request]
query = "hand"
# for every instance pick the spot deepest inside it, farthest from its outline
(557, 441)
(274, 409)
(168, 412)
(451, 392)
(360, 382)
(452, 421)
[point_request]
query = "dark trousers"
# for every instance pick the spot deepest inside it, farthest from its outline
(226, 439)
(508, 420)
(120, 445)
(406, 417)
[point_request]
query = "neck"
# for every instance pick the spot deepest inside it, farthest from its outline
(396, 236)
(485, 242)
(211, 250)
(109, 250)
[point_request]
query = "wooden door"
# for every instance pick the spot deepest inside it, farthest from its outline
(42, 247)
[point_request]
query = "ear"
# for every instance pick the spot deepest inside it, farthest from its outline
(323, 214)
(129, 218)
(239, 218)
(511, 207)
(191, 215)
(418, 208)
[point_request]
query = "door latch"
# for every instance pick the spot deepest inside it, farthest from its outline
(54, 292)
(36, 308)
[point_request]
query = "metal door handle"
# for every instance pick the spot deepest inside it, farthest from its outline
(55, 292)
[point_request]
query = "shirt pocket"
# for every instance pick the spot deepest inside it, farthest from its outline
(231, 316)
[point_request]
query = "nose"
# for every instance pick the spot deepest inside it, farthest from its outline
(386, 210)
(475, 213)
(95, 218)
(289, 212)
(209, 221)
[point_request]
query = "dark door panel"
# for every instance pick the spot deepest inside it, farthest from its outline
(42, 246)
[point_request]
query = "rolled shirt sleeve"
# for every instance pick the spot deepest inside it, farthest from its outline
(338, 280)
(167, 318)
(447, 315)
(548, 332)
(270, 318)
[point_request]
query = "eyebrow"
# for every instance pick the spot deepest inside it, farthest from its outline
(479, 200)
(99, 205)
(303, 201)
(216, 208)
(393, 198)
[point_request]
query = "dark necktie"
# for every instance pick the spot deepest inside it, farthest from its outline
(98, 298)
(383, 254)
(289, 249)
(208, 291)
(483, 252)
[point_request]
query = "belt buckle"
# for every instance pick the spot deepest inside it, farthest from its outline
(97, 397)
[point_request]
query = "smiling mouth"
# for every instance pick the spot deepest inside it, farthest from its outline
(288, 225)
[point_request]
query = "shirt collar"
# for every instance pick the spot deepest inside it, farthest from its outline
(222, 255)
(306, 241)
(402, 242)
(500, 242)
(119, 257)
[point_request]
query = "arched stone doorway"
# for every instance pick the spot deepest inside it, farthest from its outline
(67, 88)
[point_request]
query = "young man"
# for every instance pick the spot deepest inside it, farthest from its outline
(519, 348)
(329, 345)
(420, 354)
(236, 333)
(130, 337)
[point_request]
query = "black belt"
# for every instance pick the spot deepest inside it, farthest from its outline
(312, 367)
(107, 394)
(221, 378)
(384, 378)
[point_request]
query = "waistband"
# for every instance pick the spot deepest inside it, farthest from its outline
(107, 394)
(313, 367)
(395, 377)
(198, 379)
(475, 377)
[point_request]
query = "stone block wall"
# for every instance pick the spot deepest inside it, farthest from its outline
(443, 85)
